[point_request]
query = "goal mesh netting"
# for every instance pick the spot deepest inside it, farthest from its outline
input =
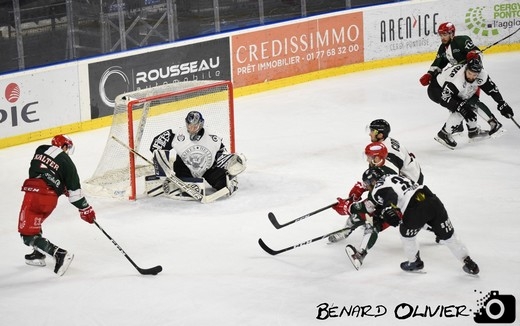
(141, 115)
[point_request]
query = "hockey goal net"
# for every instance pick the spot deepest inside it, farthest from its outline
(141, 115)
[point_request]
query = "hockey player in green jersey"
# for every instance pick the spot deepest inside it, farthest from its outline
(51, 174)
(456, 49)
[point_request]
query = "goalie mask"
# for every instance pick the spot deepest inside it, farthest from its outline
(194, 125)
(63, 140)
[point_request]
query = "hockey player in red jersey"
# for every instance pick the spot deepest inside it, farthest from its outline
(403, 203)
(51, 174)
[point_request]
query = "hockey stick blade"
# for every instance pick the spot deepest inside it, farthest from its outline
(150, 271)
(276, 252)
(277, 225)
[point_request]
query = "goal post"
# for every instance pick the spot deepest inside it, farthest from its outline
(141, 115)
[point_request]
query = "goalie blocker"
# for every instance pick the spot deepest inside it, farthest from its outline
(164, 182)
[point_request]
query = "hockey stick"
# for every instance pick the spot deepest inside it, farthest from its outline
(178, 182)
(277, 225)
(276, 252)
(516, 123)
(144, 271)
(506, 37)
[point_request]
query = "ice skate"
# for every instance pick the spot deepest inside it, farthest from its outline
(476, 134)
(414, 266)
(356, 257)
(496, 128)
(63, 260)
(445, 139)
(470, 266)
(338, 236)
(35, 258)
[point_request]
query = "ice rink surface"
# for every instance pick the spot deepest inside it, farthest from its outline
(304, 147)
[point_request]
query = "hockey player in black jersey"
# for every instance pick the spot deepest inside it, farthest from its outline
(385, 152)
(456, 89)
(455, 50)
(405, 204)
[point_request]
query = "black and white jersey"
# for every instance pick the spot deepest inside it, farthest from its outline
(392, 190)
(453, 82)
(198, 155)
(399, 159)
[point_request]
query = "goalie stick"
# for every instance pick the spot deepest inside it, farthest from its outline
(276, 252)
(277, 225)
(144, 271)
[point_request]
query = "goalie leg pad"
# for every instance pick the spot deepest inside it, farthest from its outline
(153, 185)
(163, 162)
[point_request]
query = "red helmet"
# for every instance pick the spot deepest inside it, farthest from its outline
(446, 28)
(376, 149)
(63, 140)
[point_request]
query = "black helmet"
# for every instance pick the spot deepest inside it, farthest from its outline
(371, 175)
(475, 65)
(382, 127)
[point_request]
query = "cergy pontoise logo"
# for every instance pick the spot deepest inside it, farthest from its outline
(15, 112)
(492, 308)
(489, 21)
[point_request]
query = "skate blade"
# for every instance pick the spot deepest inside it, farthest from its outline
(443, 143)
(418, 271)
(499, 133)
(35, 262)
(356, 263)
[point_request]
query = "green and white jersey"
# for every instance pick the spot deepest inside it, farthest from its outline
(53, 165)
(454, 53)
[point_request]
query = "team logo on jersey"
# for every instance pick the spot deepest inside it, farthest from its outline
(181, 137)
(446, 94)
(198, 159)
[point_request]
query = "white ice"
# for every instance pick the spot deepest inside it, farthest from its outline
(304, 147)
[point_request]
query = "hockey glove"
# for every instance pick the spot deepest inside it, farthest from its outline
(472, 55)
(343, 206)
(425, 79)
(87, 214)
(357, 191)
(505, 109)
(467, 111)
(392, 216)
